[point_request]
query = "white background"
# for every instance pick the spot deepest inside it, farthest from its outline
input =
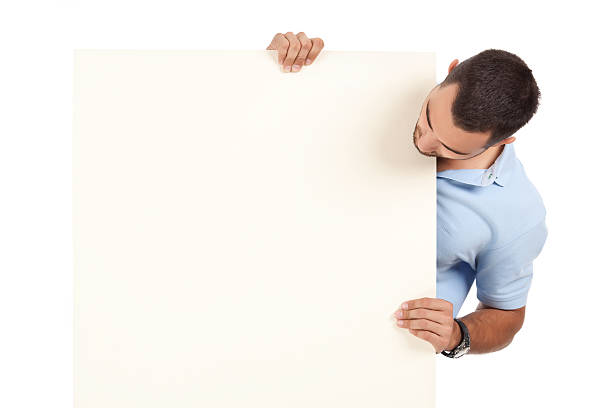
(560, 357)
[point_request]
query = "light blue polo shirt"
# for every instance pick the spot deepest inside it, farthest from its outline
(490, 227)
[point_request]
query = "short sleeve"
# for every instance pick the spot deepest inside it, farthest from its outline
(503, 274)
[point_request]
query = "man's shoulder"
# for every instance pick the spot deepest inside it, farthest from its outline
(521, 210)
(528, 197)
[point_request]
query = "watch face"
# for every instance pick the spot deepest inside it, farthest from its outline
(461, 351)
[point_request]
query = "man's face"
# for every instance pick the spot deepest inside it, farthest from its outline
(438, 136)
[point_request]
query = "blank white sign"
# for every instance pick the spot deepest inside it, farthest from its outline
(243, 235)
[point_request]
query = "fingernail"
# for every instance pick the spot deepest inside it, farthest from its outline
(286, 68)
(398, 313)
(296, 68)
(308, 62)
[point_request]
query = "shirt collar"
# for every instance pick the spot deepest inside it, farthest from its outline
(499, 172)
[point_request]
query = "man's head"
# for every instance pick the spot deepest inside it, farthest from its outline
(481, 103)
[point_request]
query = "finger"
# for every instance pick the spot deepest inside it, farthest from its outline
(280, 43)
(317, 46)
(427, 303)
(428, 325)
(433, 315)
(306, 46)
(275, 41)
(294, 48)
(422, 324)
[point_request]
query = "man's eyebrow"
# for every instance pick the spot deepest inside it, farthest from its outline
(431, 127)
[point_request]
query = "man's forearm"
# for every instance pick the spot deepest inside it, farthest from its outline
(491, 329)
(431, 319)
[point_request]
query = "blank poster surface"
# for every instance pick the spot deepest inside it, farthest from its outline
(243, 235)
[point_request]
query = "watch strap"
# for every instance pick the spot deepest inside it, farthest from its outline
(463, 346)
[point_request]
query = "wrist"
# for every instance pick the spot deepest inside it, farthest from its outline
(460, 343)
(455, 337)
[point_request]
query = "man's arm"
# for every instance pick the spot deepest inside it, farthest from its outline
(503, 278)
(432, 320)
(490, 329)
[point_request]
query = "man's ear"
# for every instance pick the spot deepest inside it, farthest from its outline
(453, 65)
(507, 140)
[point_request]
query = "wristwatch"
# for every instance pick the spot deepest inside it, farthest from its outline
(464, 345)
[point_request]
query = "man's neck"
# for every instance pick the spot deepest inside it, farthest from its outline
(482, 161)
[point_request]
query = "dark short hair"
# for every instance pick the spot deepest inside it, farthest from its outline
(497, 93)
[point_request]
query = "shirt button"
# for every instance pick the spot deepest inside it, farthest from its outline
(487, 178)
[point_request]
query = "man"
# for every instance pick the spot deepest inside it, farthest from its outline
(490, 218)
